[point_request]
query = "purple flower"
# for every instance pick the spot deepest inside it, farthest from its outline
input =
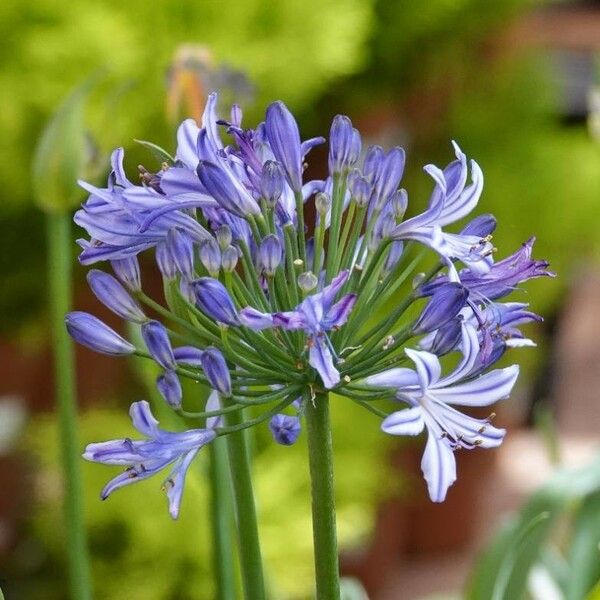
(90, 331)
(444, 305)
(114, 296)
(216, 371)
(181, 248)
(229, 258)
(271, 182)
(430, 398)
(210, 256)
(316, 315)
(144, 458)
(169, 386)
(285, 429)
(270, 253)
(450, 201)
(284, 138)
(214, 300)
(344, 144)
(188, 355)
(157, 341)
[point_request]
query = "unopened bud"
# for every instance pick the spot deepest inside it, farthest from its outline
(307, 281)
(224, 237)
(322, 203)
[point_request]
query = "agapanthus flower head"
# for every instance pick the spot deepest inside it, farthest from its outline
(265, 306)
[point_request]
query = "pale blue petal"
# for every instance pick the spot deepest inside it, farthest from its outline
(408, 421)
(320, 358)
(438, 466)
(399, 377)
(428, 367)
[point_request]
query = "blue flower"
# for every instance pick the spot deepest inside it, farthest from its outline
(144, 458)
(430, 398)
(316, 315)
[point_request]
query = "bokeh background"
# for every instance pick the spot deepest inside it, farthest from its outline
(516, 83)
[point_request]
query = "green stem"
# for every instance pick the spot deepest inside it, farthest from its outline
(59, 268)
(222, 513)
(239, 464)
(323, 498)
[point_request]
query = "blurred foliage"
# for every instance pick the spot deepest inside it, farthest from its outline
(556, 535)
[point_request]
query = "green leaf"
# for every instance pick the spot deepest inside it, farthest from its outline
(63, 154)
(584, 553)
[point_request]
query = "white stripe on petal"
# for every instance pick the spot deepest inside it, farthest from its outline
(428, 367)
(408, 421)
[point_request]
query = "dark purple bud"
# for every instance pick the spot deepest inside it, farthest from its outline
(91, 332)
(271, 182)
(322, 203)
(210, 256)
(361, 191)
(270, 254)
(284, 138)
(114, 296)
(344, 144)
(307, 281)
(223, 187)
(128, 271)
(285, 429)
(399, 203)
(481, 226)
(447, 337)
(165, 262)
(230, 258)
(157, 341)
(216, 371)
(169, 386)
(372, 164)
(444, 305)
(188, 355)
(224, 237)
(181, 249)
(213, 299)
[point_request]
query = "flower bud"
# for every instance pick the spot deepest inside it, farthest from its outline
(187, 290)
(210, 256)
(216, 371)
(169, 386)
(418, 279)
(165, 262)
(271, 182)
(388, 175)
(361, 191)
(372, 163)
(307, 281)
(399, 203)
(444, 305)
(188, 355)
(322, 203)
(285, 429)
(284, 138)
(229, 258)
(228, 192)
(157, 341)
(481, 226)
(344, 144)
(213, 299)
(270, 254)
(128, 271)
(181, 249)
(114, 296)
(91, 332)
(394, 255)
(224, 236)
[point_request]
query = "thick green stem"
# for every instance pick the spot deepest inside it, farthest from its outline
(59, 269)
(222, 521)
(323, 498)
(239, 464)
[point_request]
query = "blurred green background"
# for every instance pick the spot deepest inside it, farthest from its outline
(414, 73)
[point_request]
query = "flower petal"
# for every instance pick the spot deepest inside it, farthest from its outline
(399, 377)
(320, 358)
(438, 466)
(143, 419)
(338, 314)
(428, 367)
(408, 421)
(254, 319)
(176, 481)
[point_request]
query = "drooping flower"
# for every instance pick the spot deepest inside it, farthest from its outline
(145, 458)
(431, 397)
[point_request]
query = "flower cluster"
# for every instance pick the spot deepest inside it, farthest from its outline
(269, 309)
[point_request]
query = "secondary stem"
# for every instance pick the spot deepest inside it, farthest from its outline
(59, 268)
(323, 498)
(239, 464)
